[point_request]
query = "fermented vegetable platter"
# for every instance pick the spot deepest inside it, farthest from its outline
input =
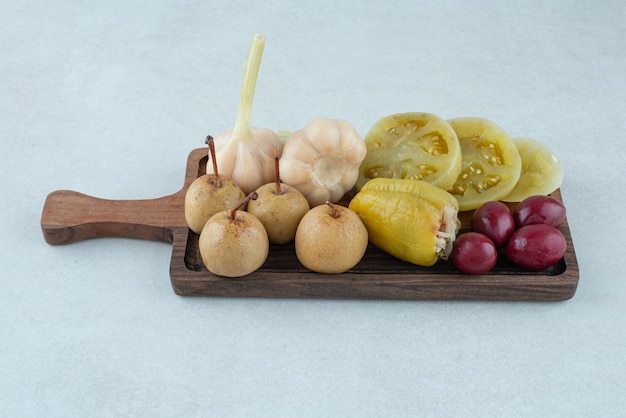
(70, 216)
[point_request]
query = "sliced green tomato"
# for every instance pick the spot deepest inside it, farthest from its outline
(541, 170)
(418, 146)
(491, 163)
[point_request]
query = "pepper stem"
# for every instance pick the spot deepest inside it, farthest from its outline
(251, 196)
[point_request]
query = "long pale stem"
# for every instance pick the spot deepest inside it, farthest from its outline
(248, 86)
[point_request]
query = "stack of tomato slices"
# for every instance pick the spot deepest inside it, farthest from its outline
(472, 158)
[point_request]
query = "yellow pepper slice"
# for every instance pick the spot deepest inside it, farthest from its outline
(412, 220)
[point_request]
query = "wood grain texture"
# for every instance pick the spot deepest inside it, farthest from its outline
(70, 216)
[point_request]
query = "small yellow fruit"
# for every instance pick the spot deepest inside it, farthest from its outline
(204, 199)
(233, 243)
(330, 239)
(279, 207)
(280, 213)
(210, 194)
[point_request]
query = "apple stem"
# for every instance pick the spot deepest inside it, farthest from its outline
(277, 168)
(335, 212)
(211, 144)
(251, 196)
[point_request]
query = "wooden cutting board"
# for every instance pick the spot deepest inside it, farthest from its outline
(70, 216)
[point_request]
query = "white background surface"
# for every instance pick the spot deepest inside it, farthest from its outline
(108, 98)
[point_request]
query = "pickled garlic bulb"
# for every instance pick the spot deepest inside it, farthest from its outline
(246, 154)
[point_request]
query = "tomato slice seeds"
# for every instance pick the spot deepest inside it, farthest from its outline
(491, 164)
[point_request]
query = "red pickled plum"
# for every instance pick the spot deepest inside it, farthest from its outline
(474, 253)
(536, 246)
(495, 220)
(539, 210)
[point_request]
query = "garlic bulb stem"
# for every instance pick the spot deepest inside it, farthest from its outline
(246, 152)
(248, 86)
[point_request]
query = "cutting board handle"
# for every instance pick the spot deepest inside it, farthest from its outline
(70, 216)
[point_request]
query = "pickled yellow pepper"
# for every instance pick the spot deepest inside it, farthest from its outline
(410, 219)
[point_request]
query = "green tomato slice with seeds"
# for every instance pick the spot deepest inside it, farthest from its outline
(419, 146)
(491, 163)
(541, 174)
